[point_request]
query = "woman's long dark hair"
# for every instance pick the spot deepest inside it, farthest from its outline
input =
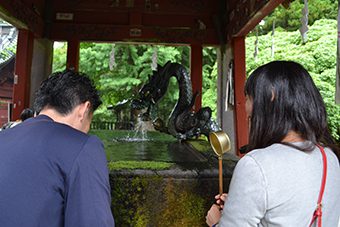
(285, 98)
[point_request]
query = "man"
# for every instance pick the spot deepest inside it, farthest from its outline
(51, 172)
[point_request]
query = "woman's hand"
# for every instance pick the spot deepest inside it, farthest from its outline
(220, 199)
(214, 214)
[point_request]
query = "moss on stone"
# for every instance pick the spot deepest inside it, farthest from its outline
(201, 145)
(150, 165)
(182, 206)
(157, 201)
(129, 198)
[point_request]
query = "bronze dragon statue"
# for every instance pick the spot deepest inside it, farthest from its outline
(183, 122)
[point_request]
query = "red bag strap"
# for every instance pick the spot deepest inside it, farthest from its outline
(318, 211)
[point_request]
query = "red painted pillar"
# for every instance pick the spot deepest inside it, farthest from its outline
(240, 78)
(72, 61)
(196, 61)
(22, 78)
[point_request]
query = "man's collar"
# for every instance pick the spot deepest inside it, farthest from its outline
(43, 117)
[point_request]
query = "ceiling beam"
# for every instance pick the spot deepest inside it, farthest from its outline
(256, 18)
(111, 33)
(21, 16)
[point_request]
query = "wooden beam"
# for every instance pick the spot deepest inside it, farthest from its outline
(179, 22)
(257, 17)
(112, 33)
(22, 78)
(22, 16)
(139, 18)
(72, 61)
(169, 7)
(240, 78)
(135, 18)
(196, 61)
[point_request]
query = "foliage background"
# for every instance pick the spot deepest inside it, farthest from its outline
(288, 18)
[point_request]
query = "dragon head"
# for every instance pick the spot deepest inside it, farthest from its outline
(154, 89)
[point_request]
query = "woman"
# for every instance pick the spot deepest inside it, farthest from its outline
(278, 182)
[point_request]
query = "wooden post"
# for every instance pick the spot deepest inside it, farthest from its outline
(22, 77)
(240, 79)
(72, 61)
(196, 61)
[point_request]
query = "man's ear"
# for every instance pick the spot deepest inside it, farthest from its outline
(84, 109)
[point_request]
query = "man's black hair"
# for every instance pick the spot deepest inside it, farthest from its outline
(63, 91)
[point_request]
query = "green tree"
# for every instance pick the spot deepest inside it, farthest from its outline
(209, 86)
(130, 72)
(289, 18)
(59, 57)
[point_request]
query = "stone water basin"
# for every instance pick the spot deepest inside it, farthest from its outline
(159, 181)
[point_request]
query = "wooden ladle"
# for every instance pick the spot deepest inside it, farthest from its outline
(220, 143)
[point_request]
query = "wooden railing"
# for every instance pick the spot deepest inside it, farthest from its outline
(104, 125)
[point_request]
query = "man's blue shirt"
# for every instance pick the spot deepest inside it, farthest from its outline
(52, 175)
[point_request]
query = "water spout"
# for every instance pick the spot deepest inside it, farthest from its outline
(140, 133)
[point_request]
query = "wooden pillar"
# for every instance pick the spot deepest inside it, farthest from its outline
(22, 77)
(240, 78)
(196, 61)
(72, 61)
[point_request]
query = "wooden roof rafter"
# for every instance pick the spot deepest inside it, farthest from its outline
(205, 22)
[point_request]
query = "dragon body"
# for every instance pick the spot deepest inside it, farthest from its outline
(183, 123)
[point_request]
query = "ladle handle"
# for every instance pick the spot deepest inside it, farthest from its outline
(220, 175)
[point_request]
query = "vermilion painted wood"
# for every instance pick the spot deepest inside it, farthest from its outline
(251, 23)
(239, 80)
(23, 63)
(72, 61)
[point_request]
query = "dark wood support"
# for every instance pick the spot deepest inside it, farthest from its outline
(133, 33)
(251, 23)
(72, 61)
(241, 123)
(18, 13)
(22, 78)
(196, 61)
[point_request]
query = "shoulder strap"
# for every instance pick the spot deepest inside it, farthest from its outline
(318, 211)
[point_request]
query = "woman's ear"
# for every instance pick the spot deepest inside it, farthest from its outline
(273, 95)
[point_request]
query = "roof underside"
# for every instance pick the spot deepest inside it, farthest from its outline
(168, 21)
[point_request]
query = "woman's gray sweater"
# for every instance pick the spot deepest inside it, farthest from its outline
(279, 186)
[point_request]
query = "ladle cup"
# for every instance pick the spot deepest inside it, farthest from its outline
(220, 143)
